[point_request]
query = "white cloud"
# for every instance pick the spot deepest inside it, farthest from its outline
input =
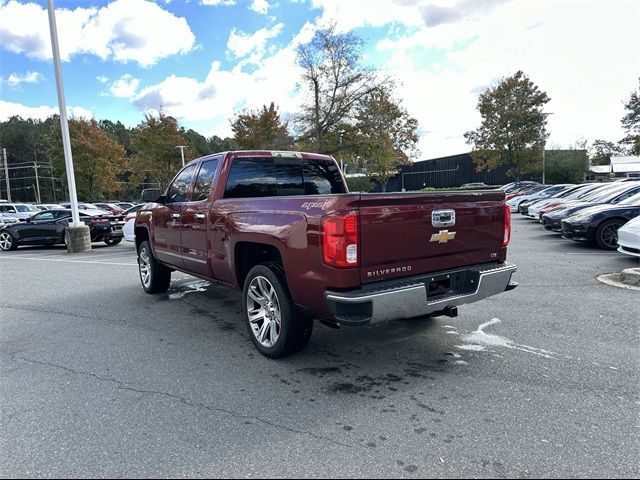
(102, 78)
(586, 76)
(16, 79)
(260, 6)
(124, 30)
(352, 14)
(9, 109)
(218, 2)
(217, 98)
(242, 44)
(441, 69)
(125, 87)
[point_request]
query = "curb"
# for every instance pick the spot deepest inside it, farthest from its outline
(631, 276)
(615, 280)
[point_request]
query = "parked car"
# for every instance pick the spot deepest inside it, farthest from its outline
(475, 185)
(535, 194)
(48, 206)
(21, 211)
(129, 227)
(629, 237)
(6, 220)
(600, 223)
(88, 208)
(110, 207)
(124, 205)
(515, 186)
(282, 227)
(523, 208)
(584, 191)
(48, 228)
(612, 196)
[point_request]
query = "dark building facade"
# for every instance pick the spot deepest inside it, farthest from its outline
(445, 172)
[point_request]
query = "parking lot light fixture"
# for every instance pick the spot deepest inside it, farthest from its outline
(182, 147)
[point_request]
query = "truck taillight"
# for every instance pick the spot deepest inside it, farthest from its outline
(507, 225)
(340, 240)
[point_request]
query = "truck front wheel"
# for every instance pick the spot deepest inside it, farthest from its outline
(155, 277)
(273, 323)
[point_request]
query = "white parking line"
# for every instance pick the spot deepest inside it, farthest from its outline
(594, 253)
(70, 261)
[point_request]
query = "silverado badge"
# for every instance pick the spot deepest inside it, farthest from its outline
(443, 236)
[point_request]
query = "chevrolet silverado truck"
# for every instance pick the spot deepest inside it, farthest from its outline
(283, 228)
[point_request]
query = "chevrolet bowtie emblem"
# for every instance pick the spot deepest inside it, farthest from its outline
(443, 237)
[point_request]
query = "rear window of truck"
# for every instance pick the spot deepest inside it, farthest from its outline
(277, 177)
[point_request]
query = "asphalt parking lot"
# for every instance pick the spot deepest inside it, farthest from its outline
(99, 379)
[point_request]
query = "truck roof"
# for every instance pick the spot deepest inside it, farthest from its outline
(270, 153)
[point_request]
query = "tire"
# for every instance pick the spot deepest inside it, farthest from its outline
(266, 301)
(7, 242)
(607, 234)
(113, 241)
(155, 277)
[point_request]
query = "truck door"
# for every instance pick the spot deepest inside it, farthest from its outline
(167, 219)
(195, 221)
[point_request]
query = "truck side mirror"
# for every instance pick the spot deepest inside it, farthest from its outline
(150, 195)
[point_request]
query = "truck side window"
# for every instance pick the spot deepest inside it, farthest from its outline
(204, 180)
(321, 177)
(178, 190)
(264, 177)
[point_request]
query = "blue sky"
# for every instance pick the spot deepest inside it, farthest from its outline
(204, 60)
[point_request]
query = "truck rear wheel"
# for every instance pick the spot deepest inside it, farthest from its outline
(155, 277)
(275, 328)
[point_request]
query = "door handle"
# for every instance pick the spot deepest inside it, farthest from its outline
(175, 215)
(200, 216)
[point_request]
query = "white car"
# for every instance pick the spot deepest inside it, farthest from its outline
(130, 219)
(515, 202)
(582, 192)
(5, 220)
(629, 238)
(128, 230)
(21, 211)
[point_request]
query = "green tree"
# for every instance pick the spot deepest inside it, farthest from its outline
(156, 159)
(567, 165)
(25, 141)
(513, 125)
(218, 144)
(97, 158)
(118, 132)
(602, 151)
(631, 123)
(336, 81)
(261, 129)
(198, 145)
(359, 184)
(387, 134)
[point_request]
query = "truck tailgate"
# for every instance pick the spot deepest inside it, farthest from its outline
(400, 235)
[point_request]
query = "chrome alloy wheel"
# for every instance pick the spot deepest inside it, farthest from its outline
(263, 310)
(6, 241)
(144, 265)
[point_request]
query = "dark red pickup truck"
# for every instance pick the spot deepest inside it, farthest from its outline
(282, 227)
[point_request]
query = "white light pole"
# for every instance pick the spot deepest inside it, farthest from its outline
(544, 145)
(6, 173)
(78, 240)
(182, 147)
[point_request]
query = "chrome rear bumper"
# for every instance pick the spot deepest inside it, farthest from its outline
(410, 297)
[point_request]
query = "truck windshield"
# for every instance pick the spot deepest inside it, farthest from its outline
(274, 177)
